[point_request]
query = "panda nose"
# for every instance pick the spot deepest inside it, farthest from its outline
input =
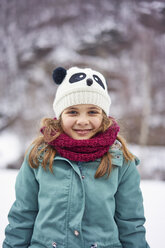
(89, 81)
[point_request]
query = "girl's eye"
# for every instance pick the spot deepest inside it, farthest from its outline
(93, 112)
(72, 112)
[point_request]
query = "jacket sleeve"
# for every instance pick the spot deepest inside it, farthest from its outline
(129, 213)
(24, 210)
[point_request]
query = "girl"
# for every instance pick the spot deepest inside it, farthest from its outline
(78, 186)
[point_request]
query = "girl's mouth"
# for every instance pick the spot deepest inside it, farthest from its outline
(82, 131)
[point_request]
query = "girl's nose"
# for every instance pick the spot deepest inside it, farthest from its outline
(82, 120)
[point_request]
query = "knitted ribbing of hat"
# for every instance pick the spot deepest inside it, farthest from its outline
(85, 150)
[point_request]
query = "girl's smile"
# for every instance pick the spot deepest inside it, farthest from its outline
(81, 121)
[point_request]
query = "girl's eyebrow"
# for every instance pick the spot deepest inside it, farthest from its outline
(71, 108)
(94, 108)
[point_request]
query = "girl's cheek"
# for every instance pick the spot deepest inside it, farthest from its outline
(67, 123)
(98, 121)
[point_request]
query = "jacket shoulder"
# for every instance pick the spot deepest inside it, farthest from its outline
(116, 145)
(118, 155)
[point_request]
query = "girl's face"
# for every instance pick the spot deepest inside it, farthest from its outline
(81, 121)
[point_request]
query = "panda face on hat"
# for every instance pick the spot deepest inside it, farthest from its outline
(80, 86)
(88, 76)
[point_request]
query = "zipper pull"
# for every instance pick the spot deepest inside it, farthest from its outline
(94, 245)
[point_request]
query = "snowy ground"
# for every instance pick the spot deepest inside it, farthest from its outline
(154, 204)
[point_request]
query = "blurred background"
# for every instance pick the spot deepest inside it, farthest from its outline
(124, 40)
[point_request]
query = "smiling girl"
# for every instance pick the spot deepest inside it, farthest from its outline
(78, 185)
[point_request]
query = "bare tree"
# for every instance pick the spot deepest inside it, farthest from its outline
(146, 45)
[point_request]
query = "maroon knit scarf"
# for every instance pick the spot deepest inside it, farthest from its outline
(85, 150)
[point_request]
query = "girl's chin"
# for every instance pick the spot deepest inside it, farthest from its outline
(81, 137)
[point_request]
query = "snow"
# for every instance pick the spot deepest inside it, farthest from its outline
(7, 156)
(154, 205)
(152, 165)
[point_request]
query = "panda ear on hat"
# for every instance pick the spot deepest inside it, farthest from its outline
(59, 74)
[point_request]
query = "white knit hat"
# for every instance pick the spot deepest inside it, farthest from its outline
(80, 86)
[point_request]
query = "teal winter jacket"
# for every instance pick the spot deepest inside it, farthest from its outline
(72, 209)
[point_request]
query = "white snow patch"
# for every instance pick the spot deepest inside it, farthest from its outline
(155, 155)
(154, 205)
(10, 148)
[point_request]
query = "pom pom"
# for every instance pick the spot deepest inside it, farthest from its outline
(59, 74)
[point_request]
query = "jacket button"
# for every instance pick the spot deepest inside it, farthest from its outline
(83, 177)
(76, 233)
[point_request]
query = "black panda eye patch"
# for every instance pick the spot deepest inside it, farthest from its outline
(98, 80)
(77, 77)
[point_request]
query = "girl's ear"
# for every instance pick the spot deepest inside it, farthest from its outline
(59, 74)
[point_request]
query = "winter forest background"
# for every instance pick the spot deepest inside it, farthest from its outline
(124, 40)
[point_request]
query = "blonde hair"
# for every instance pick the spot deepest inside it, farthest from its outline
(41, 148)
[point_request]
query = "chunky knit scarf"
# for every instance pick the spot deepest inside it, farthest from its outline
(85, 150)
